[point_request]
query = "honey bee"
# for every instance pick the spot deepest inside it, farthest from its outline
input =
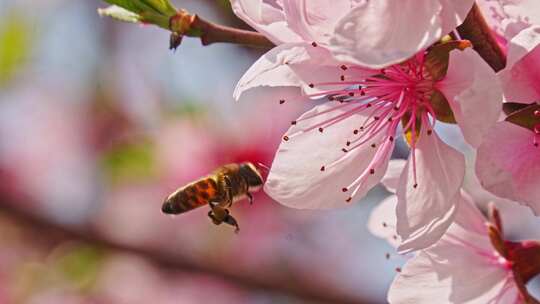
(219, 190)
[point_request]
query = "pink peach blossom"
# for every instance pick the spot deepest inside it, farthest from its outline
(471, 263)
(508, 161)
(362, 118)
(340, 149)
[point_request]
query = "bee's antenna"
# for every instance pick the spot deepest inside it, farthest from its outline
(263, 166)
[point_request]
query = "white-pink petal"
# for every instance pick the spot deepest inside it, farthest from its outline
(462, 267)
(266, 18)
(383, 32)
(393, 173)
(382, 221)
(508, 164)
(523, 10)
(314, 20)
(271, 71)
(521, 77)
(424, 212)
(316, 66)
(456, 275)
(468, 216)
(296, 179)
(471, 87)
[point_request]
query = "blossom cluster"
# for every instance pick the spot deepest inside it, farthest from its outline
(375, 70)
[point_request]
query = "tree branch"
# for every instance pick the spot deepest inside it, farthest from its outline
(476, 30)
(305, 290)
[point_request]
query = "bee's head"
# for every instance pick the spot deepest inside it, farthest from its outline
(252, 176)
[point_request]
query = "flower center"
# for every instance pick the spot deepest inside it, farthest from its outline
(384, 98)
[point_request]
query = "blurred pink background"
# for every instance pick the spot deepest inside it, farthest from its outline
(99, 122)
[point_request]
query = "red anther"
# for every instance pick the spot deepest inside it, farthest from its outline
(321, 130)
(343, 67)
(314, 44)
(281, 101)
(344, 189)
(285, 138)
(371, 171)
(323, 168)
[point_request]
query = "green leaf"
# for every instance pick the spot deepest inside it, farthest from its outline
(160, 7)
(157, 12)
(130, 5)
(163, 6)
(15, 41)
(120, 14)
(526, 117)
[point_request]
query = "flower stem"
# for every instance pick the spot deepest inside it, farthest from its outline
(183, 24)
(476, 30)
(213, 33)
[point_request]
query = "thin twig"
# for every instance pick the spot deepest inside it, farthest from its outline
(184, 24)
(213, 33)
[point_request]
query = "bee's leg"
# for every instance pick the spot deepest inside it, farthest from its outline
(217, 213)
(250, 197)
(213, 218)
(232, 221)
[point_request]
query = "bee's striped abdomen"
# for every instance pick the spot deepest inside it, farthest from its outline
(196, 194)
